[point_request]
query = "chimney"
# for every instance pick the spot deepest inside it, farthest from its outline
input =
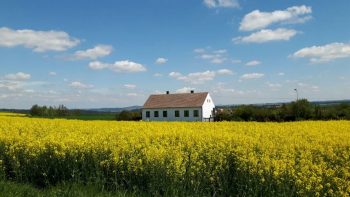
(192, 91)
(167, 92)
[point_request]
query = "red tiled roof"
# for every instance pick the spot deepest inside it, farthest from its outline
(176, 100)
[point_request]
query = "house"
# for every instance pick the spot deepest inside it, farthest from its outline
(179, 107)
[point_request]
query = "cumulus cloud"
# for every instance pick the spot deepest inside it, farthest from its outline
(258, 20)
(157, 75)
(118, 66)
(213, 56)
(20, 76)
(224, 72)
(194, 78)
(132, 94)
(309, 87)
(221, 3)
(10, 85)
(252, 76)
(253, 63)
(130, 86)
(274, 86)
(93, 53)
(161, 60)
(267, 35)
(52, 73)
(39, 41)
(325, 53)
(184, 90)
(199, 77)
(80, 85)
(281, 74)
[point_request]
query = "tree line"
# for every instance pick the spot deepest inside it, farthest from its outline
(294, 111)
(49, 111)
(63, 112)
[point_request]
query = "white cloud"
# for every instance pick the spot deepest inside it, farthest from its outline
(252, 76)
(199, 50)
(253, 63)
(194, 78)
(213, 56)
(161, 60)
(224, 72)
(308, 87)
(20, 76)
(52, 92)
(184, 90)
(10, 85)
(130, 86)
(157, 75)
(52, 73)
(93, 53)
(175, 74)
(132, 94)
(281, 74)
(80, 85)
(221, 3)
(200, 77)
(39, 41)
(118, 66)
(274, 86)
(29, 91)
(259, 20)
(267, 35)
(325, 53)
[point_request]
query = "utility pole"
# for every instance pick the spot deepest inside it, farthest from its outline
(297, 104)
(296, 90)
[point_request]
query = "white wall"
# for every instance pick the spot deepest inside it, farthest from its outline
(171, 114)
(208, 107)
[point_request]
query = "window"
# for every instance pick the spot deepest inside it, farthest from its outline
(177, 113)
(195, 113)
(156, 114)
(165, 114)
(186, 113)
(148, 114)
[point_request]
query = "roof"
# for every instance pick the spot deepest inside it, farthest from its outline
(176, 100)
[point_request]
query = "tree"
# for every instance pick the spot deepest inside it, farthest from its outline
(302, 109)
(35, 110)
(62, 110)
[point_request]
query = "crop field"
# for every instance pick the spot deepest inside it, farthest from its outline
(310, 158)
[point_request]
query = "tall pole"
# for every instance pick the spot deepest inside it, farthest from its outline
(296, 90)
(297, 104)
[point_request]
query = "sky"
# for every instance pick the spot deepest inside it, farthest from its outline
(115, 53)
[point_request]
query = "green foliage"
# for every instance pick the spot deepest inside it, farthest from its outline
(129, 115)
(294, 111)
(44, 111)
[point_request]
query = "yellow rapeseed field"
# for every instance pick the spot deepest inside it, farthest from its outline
(162, 158)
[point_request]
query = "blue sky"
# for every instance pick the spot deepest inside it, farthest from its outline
(87, 54)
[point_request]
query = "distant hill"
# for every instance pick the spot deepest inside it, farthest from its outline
(112, 110)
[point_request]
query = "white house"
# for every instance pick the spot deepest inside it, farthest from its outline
(179, 107)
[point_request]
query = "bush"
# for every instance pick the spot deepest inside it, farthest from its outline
(129, 115)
